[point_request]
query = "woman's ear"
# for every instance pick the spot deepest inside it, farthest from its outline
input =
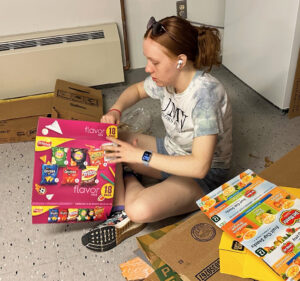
(181, 61)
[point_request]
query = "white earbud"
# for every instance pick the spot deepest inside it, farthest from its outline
(179, 63)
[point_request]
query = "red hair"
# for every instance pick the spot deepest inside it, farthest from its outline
(201, 45)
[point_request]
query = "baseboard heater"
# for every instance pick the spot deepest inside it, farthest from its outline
(31, 63)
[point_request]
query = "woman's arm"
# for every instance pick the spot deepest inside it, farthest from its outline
(195, 165)
(129, 97)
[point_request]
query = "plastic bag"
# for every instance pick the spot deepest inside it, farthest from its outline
(137, 121)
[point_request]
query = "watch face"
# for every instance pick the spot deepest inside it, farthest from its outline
(147, 156)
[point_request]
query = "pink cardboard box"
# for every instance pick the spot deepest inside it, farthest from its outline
(72, 180)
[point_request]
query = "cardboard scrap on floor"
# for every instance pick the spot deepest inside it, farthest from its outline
(135, 269)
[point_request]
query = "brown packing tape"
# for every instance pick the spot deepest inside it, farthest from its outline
(73, 101)
(295, 98)
(25, 107)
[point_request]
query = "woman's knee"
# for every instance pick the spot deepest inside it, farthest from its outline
(139, 212)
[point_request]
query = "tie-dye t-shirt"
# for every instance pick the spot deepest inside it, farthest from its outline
(202, 109)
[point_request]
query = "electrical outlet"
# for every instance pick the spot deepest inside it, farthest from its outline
(181, 9)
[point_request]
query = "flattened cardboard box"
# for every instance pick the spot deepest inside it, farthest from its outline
(76, 102)
(163, 272)
(285, 171)
(19, 116)
(191, 249)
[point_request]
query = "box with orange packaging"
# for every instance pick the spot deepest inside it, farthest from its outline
(261, 216)
(72, 180)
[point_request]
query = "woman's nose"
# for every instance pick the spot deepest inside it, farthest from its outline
(148, 68)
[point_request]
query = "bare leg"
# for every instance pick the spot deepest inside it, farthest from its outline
(171, 197)
(119, 196)
(174, 196)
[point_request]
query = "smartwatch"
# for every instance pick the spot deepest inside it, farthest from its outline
(146, 157)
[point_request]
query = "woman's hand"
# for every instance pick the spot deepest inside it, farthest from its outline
(123, 151)
(112, 117)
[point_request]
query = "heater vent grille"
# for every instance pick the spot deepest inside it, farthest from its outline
(51, 40)
(85, 55)
(44, 41)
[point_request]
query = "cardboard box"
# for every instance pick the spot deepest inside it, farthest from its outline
(178, 249)
(162, 270)
(285, 171)
(72, 180)
(19, 116)
(295, 98)
(247, 264)
(191, 249)
(76, 102)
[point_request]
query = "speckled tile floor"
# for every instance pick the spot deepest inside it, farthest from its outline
(54, 252)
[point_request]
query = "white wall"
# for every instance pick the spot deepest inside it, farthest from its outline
(261, 43)
(38, 15)
(210, 12)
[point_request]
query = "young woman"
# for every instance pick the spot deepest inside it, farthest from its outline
(194, 156)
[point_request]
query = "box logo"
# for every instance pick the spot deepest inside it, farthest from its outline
(165, 273)
(289, 217)
(237, 246)
(287, 247)
(99, 132)
(203, 232)
(44, 143)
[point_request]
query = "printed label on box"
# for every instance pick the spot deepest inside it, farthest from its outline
(72, 181)
(262, 217)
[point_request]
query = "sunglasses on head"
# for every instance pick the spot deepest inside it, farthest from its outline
(158, 28)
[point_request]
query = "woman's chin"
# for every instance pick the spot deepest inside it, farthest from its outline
(159, 84)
